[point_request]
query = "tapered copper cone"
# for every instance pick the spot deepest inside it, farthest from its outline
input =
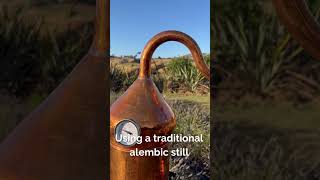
(143, 104)
(65, 137)
(301, 24)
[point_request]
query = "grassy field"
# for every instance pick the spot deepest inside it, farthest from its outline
(283, 116)
(203, 100)
(281, 140)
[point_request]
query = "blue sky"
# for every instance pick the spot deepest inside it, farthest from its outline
(134, 22)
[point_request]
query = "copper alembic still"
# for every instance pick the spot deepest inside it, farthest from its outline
(65, 137)
(142, 110)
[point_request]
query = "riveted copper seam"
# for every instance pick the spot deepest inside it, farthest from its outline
(296, 16)
(163, 37)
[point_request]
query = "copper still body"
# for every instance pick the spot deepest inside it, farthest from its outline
(143, 104)
(65, 137)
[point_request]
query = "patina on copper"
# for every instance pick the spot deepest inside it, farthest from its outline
(65, 137)
(143, 103)
(296, 16)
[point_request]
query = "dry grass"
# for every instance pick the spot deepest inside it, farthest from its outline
(128, 64)
(57, 17)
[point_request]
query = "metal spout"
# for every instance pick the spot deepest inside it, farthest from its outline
(64, 138)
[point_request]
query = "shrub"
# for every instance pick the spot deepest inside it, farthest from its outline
(120, 79)
(20, 61)
(259, 52)
(192, 119)
(61, 53)
(182, 71)
(33, 60)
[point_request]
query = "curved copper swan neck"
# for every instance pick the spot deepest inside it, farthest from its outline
(296, 16)
(157, 40)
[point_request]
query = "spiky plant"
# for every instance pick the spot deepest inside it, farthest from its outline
(20, 60)
(255, 51)
(183, 71)
(61, 53)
